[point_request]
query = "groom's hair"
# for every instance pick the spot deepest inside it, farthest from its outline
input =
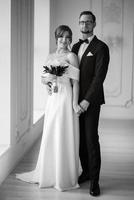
(60, 30)
(88, 13)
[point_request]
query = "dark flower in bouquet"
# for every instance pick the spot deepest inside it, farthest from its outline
(56, 71)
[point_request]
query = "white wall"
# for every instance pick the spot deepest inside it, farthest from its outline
(5, 72)
(41, 51)
(66, 12)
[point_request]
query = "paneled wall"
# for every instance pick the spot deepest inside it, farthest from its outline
(115, 25)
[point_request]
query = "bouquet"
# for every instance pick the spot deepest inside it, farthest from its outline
(55, 71)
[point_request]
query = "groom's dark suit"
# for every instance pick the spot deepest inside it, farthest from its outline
(93, 69)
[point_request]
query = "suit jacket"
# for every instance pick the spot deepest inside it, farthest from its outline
(93, 70)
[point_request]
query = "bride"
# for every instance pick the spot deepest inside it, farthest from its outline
(58, 163)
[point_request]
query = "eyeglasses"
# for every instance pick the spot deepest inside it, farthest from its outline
(86, 22)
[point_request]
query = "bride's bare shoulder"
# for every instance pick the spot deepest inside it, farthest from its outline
(73, 58)
(72, 55)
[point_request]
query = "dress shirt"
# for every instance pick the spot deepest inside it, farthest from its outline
(83, 48)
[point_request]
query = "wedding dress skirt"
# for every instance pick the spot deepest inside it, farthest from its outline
(58, 163)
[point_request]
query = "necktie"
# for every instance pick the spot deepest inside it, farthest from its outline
(82, 41)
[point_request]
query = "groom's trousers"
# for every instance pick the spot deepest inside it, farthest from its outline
(89, 142)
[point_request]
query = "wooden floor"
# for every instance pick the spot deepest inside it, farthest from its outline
(116, 181)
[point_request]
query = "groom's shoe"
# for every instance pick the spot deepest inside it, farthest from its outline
(83, 178)
(94, 188)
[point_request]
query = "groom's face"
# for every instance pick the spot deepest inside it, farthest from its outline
(86, 24)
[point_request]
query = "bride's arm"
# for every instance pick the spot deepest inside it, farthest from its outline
(75, 83)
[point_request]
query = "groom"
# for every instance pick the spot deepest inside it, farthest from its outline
(93, 55)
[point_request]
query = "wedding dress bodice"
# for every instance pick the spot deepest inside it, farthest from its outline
(56, 60)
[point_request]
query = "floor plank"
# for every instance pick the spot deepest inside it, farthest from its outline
(117, 174)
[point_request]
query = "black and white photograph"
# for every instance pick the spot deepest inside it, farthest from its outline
(67, 99)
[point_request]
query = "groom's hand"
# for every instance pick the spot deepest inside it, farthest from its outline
(84, 104)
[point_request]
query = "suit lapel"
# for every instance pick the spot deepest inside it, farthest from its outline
(76, 50)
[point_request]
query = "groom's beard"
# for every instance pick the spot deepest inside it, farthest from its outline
(85, 32)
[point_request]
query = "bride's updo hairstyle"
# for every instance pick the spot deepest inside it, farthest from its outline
(59, 32)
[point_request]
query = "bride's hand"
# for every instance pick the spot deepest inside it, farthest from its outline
(76, 108)
(46, 78)
(49, 88)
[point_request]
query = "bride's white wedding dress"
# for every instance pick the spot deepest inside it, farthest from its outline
(58, 163)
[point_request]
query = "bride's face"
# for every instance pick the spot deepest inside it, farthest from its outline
(63, 41)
